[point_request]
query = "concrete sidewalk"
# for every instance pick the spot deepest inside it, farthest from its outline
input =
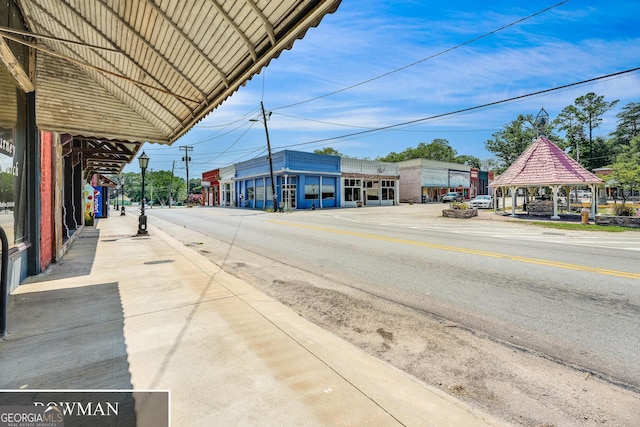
(147, 313)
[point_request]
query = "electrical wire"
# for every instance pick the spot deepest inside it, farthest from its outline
(465, 110)
(250, 152)
(232, 144)
(369, 127)
(435, 55)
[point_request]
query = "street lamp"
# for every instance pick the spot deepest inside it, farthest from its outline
(266, 130)
(143, 159)
(541, 122)
(122, 190)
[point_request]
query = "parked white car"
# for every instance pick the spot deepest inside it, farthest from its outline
(581, 194)
(482, 202)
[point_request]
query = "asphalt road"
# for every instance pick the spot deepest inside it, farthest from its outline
(572, 296)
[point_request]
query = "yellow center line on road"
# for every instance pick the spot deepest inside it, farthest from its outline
(528, 260)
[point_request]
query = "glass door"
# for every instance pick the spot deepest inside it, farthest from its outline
(289, 196)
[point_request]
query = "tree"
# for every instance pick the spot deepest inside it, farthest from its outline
(509, 142)
(158, 187)
(195, 186)
(329, 151)
(393, 157)
(591, 108)
(132, 185)
(602, 152)
(491, 164)
(579, 121)
(568, 121)
(466, 159)
(628, 123)
(438, 149)
(626, 170)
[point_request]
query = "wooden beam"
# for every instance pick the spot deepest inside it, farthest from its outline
(14, 67)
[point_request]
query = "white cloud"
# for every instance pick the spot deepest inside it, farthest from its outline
(571, 43)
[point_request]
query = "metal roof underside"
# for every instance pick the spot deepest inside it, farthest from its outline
(148, 71)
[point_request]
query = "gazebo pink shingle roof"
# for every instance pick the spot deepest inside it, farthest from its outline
(544, 163)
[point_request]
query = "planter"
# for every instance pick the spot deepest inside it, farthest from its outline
(459, 213)
(359, 204)
(622, 221)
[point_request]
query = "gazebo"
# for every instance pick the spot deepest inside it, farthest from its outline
(544, 164)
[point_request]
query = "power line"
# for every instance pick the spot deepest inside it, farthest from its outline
(468, 42)
(465, 110)
(369, 127)
(251, 151)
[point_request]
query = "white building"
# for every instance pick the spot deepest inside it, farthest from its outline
(423, 180)
(227, 175)
(368, 182)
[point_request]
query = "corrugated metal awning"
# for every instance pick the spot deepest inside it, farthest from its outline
(138, 71)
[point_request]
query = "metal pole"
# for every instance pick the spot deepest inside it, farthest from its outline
(4, 287)
(273, 183)
(142, 221)
(122, 189)
(186, 158)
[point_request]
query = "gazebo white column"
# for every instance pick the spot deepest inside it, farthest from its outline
(513, 200)
(555, 189)
(594, 200)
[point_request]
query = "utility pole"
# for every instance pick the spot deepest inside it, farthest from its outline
(186, 159)
(273, 183)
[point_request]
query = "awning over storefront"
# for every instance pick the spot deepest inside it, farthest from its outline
(148, 71)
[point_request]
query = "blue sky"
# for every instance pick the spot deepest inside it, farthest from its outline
(341, 82)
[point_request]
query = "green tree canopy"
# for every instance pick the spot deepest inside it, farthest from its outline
(628, 123)
(159, 183)
(569, 123)
(626, 169)
(508, 143)
(330, 151)
(438, 149)
(157, 186)
(578, 121)
(466, 159)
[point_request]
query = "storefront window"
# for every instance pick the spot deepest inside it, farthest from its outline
(12, 159)
(311, 191)
(250, 192)
(373, 190)
(388, 189)
(328, 192)
(352, 190)
(260, 190)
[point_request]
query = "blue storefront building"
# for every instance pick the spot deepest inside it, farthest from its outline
(301, 181)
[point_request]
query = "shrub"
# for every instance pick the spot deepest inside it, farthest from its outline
(624, 210)
(458, 205)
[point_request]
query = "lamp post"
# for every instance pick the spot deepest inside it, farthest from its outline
(266, 130)
(143, 159)
(541, 121)
(122, 190)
